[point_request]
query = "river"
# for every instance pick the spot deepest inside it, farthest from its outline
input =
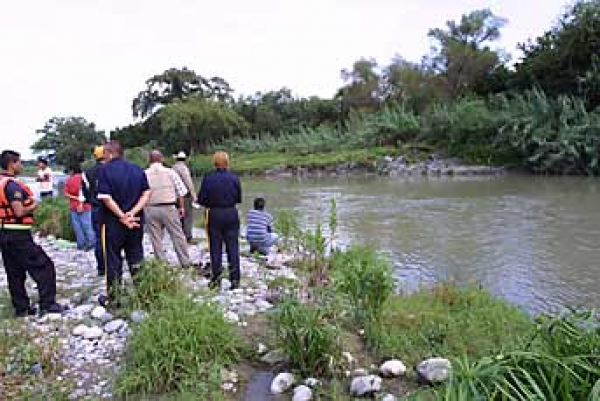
(531, 240)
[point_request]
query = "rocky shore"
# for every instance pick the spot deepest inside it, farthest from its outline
(433, 166)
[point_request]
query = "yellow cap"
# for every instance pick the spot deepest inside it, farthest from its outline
(99, 152)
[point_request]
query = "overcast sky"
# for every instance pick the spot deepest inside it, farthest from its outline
(89, 58)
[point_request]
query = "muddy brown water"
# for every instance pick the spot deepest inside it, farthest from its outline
(531, 240)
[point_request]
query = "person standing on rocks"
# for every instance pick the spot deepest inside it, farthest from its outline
(220, 191)
(20, 254)
(45, 178)
(187, 221)
(80, 211)
(165, 208)
(124, 191)
(89, 188)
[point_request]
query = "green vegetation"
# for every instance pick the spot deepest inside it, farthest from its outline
(366, 279)
(561, 363)
(308, 335)
(449, 321)
(21, 356)
(52, 218)
(182, 345)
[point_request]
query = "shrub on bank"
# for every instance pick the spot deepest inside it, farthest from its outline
(449, 321)
(52, 218)
(365, 278)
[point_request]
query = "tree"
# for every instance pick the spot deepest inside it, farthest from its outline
(179, 84)
(362, 90)
(409, 83)
(566, 59)
(191, 124)
(71, 139)
(461, 54)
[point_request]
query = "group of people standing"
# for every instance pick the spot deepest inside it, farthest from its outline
(111, 205)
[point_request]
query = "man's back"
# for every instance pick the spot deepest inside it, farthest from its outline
(123, 181)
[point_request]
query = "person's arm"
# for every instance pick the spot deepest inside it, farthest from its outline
(203, 193)
(20, 210)
(140, 203)
(181, 206)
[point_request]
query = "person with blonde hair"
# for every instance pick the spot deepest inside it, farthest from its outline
(220, 192)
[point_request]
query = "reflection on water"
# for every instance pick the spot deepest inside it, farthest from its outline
(532, 240)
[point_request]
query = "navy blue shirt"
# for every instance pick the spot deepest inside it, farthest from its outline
(14, 191)
(125, 182)
(220, 188)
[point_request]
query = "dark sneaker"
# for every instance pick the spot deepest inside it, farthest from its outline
(235, 284)
(31, 311)
(55, 308)
(106, 302)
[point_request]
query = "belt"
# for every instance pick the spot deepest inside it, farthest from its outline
(164, 204)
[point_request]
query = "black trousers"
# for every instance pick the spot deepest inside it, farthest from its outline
(21, 256)
(119, 238)
(224, 226)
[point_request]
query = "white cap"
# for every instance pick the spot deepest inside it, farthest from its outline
(181, 155)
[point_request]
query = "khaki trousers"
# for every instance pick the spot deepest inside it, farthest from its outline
(157, 219)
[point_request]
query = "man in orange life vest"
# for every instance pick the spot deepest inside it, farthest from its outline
(19, 253)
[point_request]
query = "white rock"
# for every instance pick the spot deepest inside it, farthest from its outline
(83, 309)
(262, 349)
(274, 357)
(392, 368)
(92, 332)
(53, 317)
(282, 382)
(302, 393)
(263, 305)
(312, 382)
(388, 397)
(365, 385)
(434, 370)
(359, 372)
(98, 312)
(114, 325)
(349, 358)
(79, 330)
(228, 386)
(231, 317)
(107, 317)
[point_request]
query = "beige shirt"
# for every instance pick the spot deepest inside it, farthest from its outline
(165, 184)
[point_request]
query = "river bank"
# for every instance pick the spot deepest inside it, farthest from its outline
(91, 353)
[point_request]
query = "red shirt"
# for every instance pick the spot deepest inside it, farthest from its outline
(73, 187)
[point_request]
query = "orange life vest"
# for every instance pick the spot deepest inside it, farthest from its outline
(8, 220)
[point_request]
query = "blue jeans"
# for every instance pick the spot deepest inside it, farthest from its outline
(84, 232)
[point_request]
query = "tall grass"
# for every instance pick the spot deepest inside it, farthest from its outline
(365, 278)
(181, 346)
(307, 335)
(52, 218)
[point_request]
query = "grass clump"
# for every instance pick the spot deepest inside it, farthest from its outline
(561, 363)
(155, 282)
(308, 336)
(52, 218)
(180, 348)
(450, 321)
(365, 278)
